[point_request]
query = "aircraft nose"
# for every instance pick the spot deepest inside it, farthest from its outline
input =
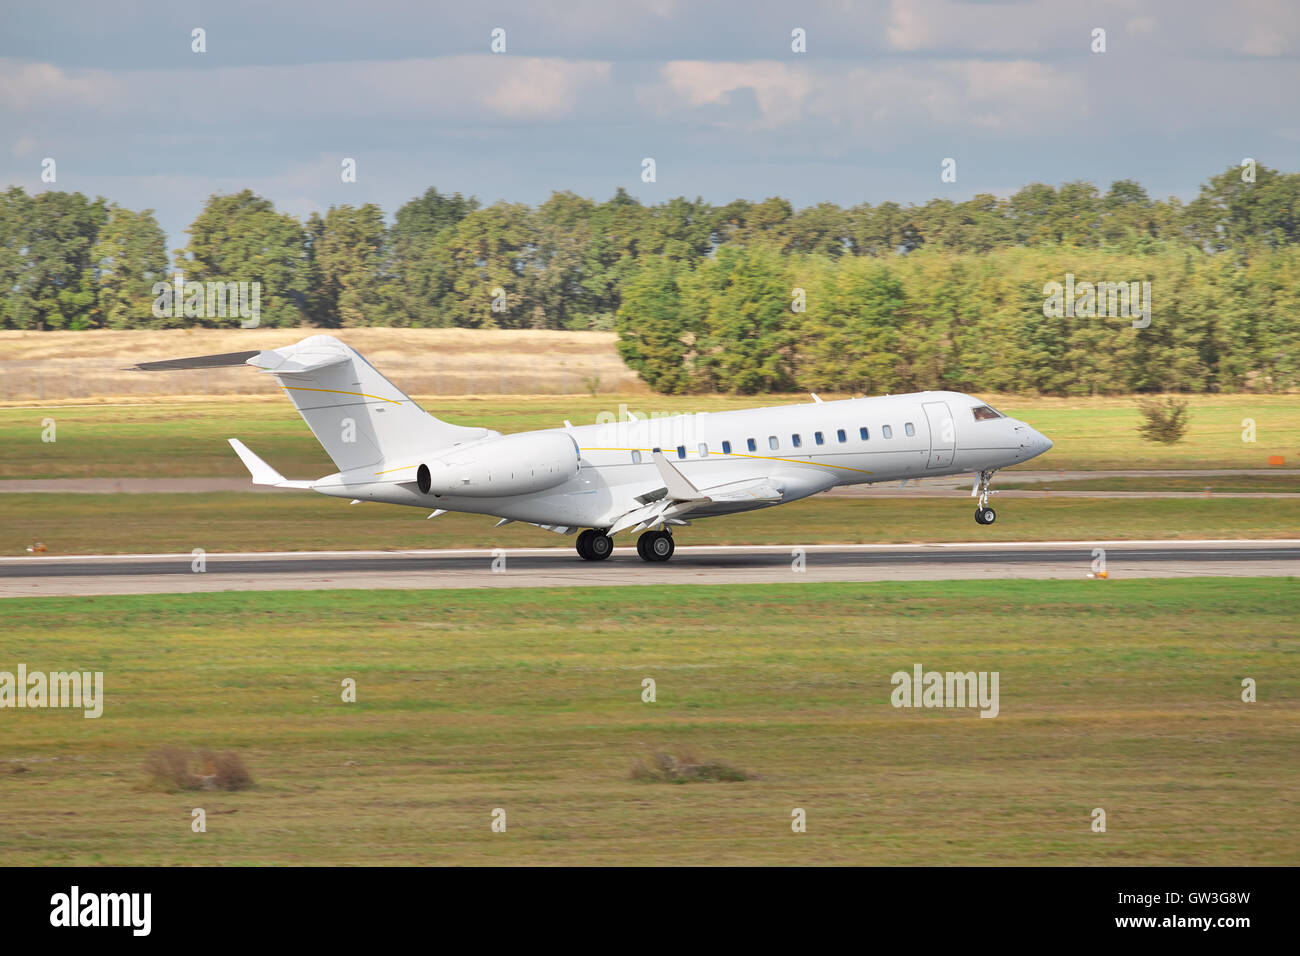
(1032, 442)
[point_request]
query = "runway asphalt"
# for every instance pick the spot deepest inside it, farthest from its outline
(561, 567)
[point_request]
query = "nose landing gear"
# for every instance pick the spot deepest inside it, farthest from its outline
(983, 513)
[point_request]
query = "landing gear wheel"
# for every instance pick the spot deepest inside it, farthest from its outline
(655, 546)
(599, 546)
(594, 545)
(983, 513)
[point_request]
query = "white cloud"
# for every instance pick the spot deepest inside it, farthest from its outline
(507, 86)
(1000, 95)
(779, 89)
(542, 88)
(26, 86)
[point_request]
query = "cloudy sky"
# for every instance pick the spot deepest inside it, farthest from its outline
(586, 89)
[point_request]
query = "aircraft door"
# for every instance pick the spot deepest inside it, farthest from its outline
(943, 434)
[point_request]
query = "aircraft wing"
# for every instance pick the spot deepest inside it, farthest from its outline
(679, 497)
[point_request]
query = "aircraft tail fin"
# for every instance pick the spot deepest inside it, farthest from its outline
(360, 418)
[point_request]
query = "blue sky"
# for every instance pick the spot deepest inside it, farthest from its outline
(586, 89)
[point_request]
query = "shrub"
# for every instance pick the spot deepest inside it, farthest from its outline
(1165, 421)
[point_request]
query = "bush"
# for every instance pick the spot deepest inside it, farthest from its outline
(1165, 420)
(170, 767)
(665, 768)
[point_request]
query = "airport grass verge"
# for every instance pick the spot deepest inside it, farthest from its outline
(1124, 695)
(176, 440)
(304, 521)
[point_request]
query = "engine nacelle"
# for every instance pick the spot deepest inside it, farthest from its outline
(510, 465)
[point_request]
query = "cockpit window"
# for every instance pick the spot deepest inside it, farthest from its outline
(984, 413)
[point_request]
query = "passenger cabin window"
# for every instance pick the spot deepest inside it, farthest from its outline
(796, 441)
(751, 444)
(636, 457)
(841, 436)
(863, 433)
(704, 449)
(820, 438)
(726, 448)
(983, 413)
(681, 451)
(910, 429)
(772, 443)
(887, 431)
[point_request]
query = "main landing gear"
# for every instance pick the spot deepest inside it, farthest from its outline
(594, 545)
(655, 546)
(983, 513)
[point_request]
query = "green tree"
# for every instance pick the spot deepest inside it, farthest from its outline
(16, 311)
(55, 288)
(131, 255)
(655, 339)
(421, 271)
(486, 256)
(738, 303)
(348, 250)
(241, 238)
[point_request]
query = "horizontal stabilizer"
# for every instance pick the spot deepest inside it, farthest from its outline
(300, 362)
(224, 360)
(263, 474)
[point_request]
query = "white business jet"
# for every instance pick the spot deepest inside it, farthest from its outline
(646, 475)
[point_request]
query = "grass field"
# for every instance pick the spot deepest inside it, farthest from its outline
(1123, 695)
(285, 521)
(179, 440)
(1263, 483)
(92, 365)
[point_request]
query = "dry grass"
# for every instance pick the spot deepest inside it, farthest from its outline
(51, 366)
(174, 768)
(665, 768)
(1124, 696)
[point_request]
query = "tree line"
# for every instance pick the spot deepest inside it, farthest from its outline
(743, 297)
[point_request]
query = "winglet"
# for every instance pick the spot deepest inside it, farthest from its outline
(263, 474)
(679, 488)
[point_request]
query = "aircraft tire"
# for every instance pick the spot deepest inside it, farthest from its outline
(655, 546)
(599, 546)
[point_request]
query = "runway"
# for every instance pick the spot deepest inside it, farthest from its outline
(560, 567)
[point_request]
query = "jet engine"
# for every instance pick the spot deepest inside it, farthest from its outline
(510, 465)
